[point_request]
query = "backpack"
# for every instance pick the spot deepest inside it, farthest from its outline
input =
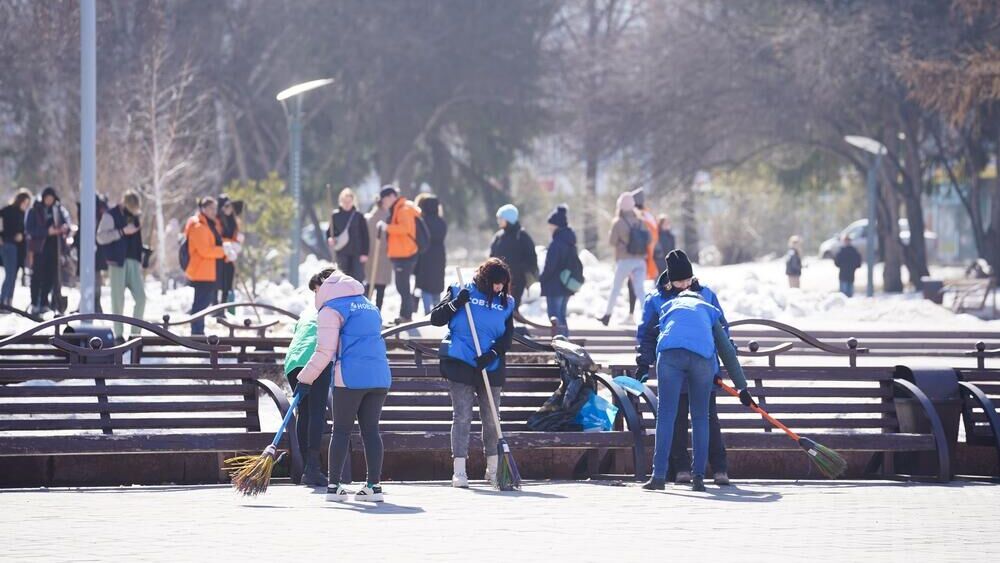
(571, 275)
(183, 253)
(638, 238)
(423, 238)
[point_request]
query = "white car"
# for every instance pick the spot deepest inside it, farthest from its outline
(857, 231)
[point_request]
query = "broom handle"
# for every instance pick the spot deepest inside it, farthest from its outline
(758, 410)
(376, 256)
(288, 418)
(479, 352)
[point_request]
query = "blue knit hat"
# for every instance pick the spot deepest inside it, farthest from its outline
(508, 213)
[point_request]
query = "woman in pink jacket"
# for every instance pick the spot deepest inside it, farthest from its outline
(349, 335)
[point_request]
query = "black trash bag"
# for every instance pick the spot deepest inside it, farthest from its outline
(558, 413)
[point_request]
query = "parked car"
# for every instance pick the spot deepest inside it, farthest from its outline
(857, 231)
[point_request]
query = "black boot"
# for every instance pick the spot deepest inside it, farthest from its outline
(605, 320)
(312, 475)
(698, 484)
(654, 484)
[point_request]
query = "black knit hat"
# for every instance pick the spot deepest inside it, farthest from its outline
(678, 266)
(558, 217)
(388, 190)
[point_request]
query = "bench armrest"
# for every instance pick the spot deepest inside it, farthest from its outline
(633, 422)
(937, 429)
(281, 401)
(976, 394)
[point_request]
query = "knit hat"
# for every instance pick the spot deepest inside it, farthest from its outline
(508, 213)
(639, 196)
(388, 191)
(678, 266)
(558, 217)
(626, 202)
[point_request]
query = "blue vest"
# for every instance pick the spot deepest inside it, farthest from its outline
(686, 322)
(491, 323)
(362, 354)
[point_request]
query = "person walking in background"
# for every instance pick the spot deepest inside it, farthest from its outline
(665, 242)
(348, 236)
(847, 260)
(652, 270)
(311, 420)
(562, 274)
(46, 224)
(793, 261)
(119, 236)
(401, 243)
(488, 297)
(630, 238)
(514, 246)
(228, 227)
(12, 251)
(348, 333)
(204, 249)
(429, 273)
(378, 269)
(677, 277)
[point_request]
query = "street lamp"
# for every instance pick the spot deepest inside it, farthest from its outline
(876, 150)
(295, 163)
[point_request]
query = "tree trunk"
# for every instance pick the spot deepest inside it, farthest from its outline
(916, 251)
(689, 227)
(992, 239)
(161, 236)
(590, 237)
(890, 246)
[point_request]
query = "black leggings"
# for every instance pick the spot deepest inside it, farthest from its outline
(311, 419)
(365, 405)
(379, 294)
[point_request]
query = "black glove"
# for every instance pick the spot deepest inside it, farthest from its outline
(746, 398)
(302, 388)
(641, 373)
(461, 300)
(486, 359)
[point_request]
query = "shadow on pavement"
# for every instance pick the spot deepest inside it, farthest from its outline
(375, 508)
(726, 494)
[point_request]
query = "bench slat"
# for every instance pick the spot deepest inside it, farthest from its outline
(135, 407)
(137, 443)
(124, 423)
(125, 390)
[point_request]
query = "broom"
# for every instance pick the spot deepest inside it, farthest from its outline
(508, 477)
(829, 462)
(251, 474)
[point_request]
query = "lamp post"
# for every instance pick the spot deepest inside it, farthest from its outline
(876, 150)
(88, 152)
(295, 164)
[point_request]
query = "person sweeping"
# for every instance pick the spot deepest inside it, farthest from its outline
(349, 335)
(687, 356)
(492, 309)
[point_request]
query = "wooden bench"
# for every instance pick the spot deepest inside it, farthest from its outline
(981, 406)
(97, 404)
(847, 409)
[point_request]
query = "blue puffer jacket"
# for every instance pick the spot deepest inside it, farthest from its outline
(556, 260)
(491, 318)
(686, 323)
(649, 329)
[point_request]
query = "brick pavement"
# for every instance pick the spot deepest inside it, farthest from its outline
(559, 521)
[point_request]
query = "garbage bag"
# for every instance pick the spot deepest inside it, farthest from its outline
(597, 414)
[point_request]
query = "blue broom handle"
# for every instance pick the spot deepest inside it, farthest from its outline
(288, 418)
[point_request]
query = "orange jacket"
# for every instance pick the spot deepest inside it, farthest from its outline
(202, 249)
(652, 272)
(402, 230)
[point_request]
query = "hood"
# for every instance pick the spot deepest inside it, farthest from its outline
(564, 235)
(663, 281)
(337, 285)
(430, 206)
(512, 228)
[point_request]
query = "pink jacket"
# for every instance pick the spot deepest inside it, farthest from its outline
(328, 327)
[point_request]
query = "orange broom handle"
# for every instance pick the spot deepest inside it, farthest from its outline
(758, 410)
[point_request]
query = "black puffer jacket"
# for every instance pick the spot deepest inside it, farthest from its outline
(431, 264)
(514, 246)
(358, 243)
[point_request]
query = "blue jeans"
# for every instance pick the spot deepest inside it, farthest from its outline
(847, 288)
(429, 299)
(555, 306)
(204, 294)
(8, 252)
(680, 460)
(676, 368)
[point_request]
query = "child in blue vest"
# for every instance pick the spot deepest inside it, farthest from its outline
(691, 338)
(493, 312)
(349, 334)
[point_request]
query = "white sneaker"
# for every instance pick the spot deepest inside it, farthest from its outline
(492, 461)
(683, 477)
(337, 493)
(460, 481)
(371, 493)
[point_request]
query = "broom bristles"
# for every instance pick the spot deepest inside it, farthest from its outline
(251, 474)
(508, 477)
(829, 462)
